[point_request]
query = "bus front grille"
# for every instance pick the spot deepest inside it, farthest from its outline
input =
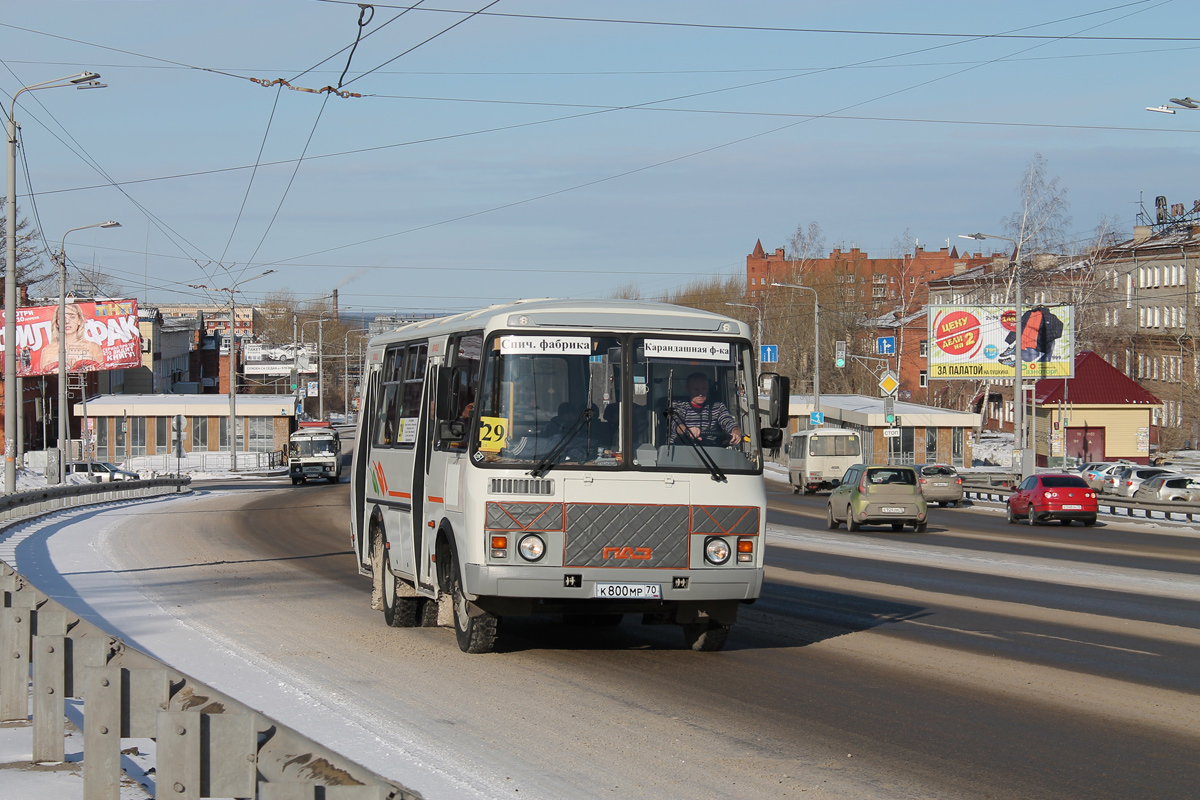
(521, 486)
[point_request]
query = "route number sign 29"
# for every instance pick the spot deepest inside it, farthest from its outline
(493, 433)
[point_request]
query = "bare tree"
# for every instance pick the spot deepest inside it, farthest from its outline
(804, 246)
(627, 291)
(1039, 226)
(31, 268)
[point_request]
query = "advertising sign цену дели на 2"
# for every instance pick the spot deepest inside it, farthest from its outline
(974, 342)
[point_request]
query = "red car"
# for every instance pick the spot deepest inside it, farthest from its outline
(1044, 497)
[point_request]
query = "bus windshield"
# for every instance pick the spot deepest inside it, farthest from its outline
(323, 446)
(616, 402)
(845, 444)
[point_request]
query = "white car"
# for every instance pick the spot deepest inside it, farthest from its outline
(102, 471)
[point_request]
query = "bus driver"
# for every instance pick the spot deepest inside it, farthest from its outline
(703, 420)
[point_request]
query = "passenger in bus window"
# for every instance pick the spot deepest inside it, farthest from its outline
(707, 422)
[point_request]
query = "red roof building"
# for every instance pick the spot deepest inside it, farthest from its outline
(1099, 415)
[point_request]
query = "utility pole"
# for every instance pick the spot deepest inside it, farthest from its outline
(816, 340)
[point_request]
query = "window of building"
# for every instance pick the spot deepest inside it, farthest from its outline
(923, 378)
(199, 433)
(931, 445)
(924, 348)
(1129, 290)
(102, 439)
(137, 436)
(262, 434)
(160, 434)
(223, 434)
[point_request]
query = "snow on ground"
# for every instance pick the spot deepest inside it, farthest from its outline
(66, 557)
(993, 449)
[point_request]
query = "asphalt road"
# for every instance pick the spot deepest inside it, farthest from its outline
(976, 660)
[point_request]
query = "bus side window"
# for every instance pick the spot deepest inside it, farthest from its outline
(466, 352)
(389, 388)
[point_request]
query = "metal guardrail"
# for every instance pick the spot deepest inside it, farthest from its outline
(1115, 506)
(207, 744)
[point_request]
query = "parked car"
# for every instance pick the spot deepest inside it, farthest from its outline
(1133, 477)
(940, 483)
(1170, 487)
(1087, 469)
(877, 494)
(1099, 477)
(1053, 496)
(102, 471)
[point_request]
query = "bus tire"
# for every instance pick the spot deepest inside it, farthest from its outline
(295, 481)
(796, 489)
(398, 612)
(427, 616)
(475, 634)
(705, 637)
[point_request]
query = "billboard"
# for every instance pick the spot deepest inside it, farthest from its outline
(278, 360)
(979, 342)
(100, 336)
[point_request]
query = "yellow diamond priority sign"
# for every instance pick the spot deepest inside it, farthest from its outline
(889, 383)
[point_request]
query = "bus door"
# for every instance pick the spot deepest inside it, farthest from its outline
(422, 537)
(396, 468)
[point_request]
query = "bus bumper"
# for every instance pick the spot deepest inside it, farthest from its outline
(509, 589)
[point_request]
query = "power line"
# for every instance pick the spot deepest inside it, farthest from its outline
(356, 41)
(253, 172)
(616, 73)
(423, 43)
(782, 29)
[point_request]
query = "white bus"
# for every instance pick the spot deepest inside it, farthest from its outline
(817, 456)
(541, 457)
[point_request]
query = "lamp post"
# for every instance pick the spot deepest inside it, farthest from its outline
(816, 339)
(64, 409)
(84, 80)
(232, 358)
(758, 338)
(1025, 462)
(320, 360)
(346, 372)
(233, 366)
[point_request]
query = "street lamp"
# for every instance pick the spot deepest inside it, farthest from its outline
(1025, 462)
(320, 360)
(758, 338)
(232, 358)
(84, 80)
(816, 339)
(1180, 102)
(64, 410)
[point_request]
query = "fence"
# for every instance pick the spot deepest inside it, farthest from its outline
(206, 462)
(207, 744)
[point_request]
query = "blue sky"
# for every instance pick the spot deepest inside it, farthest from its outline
(507, 161)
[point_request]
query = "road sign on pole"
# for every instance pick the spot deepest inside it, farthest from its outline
(889, 383)
(816, 418)
(768, 354)
(885, 345)
(839, 354)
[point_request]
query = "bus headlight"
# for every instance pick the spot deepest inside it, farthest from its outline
(531, 547)
(716, 550)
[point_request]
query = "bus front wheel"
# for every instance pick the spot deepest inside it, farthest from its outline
(475, 629)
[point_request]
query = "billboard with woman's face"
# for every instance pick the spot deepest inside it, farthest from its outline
(99, 336)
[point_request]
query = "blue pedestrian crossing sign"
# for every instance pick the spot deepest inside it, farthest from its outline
(885, 346)
(816, 418)
(768, 354)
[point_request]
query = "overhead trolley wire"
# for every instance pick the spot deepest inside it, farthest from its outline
(784, 29)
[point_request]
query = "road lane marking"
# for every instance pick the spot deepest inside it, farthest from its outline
(1032, 568)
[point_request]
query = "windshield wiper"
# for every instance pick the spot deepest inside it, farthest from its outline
(544, 465)
(705, 457)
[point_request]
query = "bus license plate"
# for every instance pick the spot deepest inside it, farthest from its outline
(629, 591)
(892, 510)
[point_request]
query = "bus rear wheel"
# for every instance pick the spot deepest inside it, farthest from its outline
(398, 612)
(705, 637)
(475, 634)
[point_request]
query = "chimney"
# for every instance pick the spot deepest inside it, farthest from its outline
(335, 310)
(1141, 233)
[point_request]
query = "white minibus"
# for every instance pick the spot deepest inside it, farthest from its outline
(817, 456)
(589, 459)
